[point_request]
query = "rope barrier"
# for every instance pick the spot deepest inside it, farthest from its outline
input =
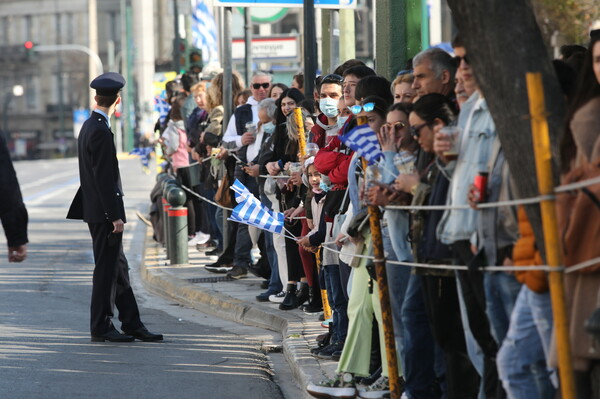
(524, 201)
(457, 267)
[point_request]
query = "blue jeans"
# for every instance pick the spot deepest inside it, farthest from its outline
(419, 346)
(397, 279)
(275, 285)
(522, 365)
(338, 302)
(501, 290)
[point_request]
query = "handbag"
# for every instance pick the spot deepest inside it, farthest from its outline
(339, 218)
(223, 195)
(578, 216)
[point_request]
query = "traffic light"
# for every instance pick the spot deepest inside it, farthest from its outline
(30, 52)
(195, 58)
(180, 55)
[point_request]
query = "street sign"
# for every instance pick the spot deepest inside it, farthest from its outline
(286, 3)
(80, 115)
(268, 48)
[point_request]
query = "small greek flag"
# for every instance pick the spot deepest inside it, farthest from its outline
(241, 192)
(204, 31)
(252, 212)
(364, 141)
(162, 107)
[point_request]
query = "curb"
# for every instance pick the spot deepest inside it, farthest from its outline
(295, 337)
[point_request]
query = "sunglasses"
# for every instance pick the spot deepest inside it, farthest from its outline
(464, 58)
(414, 130)
(396, 125)
(257, 86)
(332, 78)
(367, 107)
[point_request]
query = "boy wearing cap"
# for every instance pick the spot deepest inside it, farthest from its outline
(99, 202)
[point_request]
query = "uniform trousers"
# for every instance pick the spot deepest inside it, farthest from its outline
(111, 285)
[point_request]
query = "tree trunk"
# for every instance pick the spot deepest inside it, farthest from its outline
(503, 43)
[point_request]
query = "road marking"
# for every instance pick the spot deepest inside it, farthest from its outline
(40, 197)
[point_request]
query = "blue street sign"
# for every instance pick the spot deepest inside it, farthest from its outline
(286, 3)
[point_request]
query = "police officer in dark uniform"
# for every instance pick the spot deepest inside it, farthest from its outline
(12, 210)
(99, 202)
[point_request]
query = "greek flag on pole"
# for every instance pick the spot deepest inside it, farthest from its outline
(204, 31)
(162, 107)
(252, 212)
(364, 141)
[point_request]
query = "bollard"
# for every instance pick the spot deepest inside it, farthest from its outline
(177, 226)
(167, 185)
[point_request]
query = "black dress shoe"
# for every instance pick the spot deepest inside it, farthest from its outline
(143, 334)
(112, 336)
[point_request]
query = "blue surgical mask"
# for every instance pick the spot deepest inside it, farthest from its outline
(323, 186)
(341, 120)
(269, 127)
(329, 107)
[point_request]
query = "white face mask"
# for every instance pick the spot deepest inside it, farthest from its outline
(328, 107)
(341, 120)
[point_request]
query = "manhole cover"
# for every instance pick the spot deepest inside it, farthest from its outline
(209, 279)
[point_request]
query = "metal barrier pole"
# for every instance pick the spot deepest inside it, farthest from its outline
(177, 226)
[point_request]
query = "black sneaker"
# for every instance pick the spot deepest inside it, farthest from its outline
(218, 268)
(310, 308)
(237, 273)
(327, 352)
(264, 285)
(214, 252)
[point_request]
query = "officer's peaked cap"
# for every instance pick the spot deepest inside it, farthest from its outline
(108, 84)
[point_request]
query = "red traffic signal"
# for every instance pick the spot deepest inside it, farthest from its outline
(28, 45)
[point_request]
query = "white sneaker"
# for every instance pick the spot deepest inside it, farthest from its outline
(277, 298)
(199, 238)
(376, 390)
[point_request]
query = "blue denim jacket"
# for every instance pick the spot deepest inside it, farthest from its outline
(476, 140)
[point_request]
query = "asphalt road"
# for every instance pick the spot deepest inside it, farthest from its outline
(45, 348)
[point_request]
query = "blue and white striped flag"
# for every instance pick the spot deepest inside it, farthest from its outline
(241, 192)
(162, 107)
(204, 31)
(364, 141)
(253, 213)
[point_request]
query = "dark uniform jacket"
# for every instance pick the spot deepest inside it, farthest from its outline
(12, 210)
(100, 197)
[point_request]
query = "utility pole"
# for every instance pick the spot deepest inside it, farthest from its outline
(177, 40)
(93, 42)
(248, 44)
(310, 50)
(61, 104)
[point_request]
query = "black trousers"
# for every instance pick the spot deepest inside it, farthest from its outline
(111, 285)
(441, 304)
(471, 283)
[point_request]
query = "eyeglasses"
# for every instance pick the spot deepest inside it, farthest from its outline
(396, 125)
(332, 78)
(367, 107)
(257, 86)
(414, 130)
(463, 58)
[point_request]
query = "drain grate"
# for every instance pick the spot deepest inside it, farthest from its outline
(209, 279)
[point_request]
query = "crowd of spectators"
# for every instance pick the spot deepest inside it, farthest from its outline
(458, 333)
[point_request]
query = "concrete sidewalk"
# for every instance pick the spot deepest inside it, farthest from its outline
(234, 300)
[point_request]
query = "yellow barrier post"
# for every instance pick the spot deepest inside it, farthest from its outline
(384, 294)
(301, 133)
(543, 163)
